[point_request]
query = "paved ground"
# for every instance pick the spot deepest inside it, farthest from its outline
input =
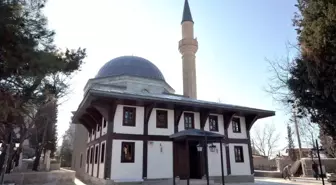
(267, 181)
(294, 181)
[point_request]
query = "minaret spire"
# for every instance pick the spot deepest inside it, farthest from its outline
(188, 47)
(186, 13)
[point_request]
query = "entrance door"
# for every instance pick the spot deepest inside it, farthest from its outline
(194, 161)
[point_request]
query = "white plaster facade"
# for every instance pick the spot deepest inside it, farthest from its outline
(126, 171)
(240, 168)
(160, 153)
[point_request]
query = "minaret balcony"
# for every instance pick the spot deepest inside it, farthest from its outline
(188, 44)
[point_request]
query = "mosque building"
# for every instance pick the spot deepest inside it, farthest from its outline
(132, 127)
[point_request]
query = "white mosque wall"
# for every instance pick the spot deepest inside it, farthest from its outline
(133, 84)
(102, 164)
(93, 135)
(97, 132)
(95, 160)
(242, 134)
(118, 121)
(214, 161)
(196, 121)
(160, 160)
(220, 124)
(240, 168)
(104, 129)
(126, 171)
(153, 130)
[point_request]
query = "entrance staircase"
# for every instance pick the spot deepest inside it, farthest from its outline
(197, 182)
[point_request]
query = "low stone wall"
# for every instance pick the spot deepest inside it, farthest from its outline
(261, 163)
(328, 163)
(272, 174)
(26, 178)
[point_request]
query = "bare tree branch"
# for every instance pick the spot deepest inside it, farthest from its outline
(266, 140)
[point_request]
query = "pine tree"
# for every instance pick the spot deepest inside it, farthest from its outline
(290, 141)
(313, 76)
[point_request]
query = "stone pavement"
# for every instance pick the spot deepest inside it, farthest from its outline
(267, 181)
(294, 181)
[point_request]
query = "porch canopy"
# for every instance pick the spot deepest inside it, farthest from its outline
(197, 135)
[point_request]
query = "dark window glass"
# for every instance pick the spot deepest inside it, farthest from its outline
(104, 122)
(213, 123)
(129, 116)
(239, 156)
(188, 121)
(102, 155)
(236, 125)
(91, 156)
(98, 129)
(127, 152)
(96, 156)
(161, 119)
(81, 161)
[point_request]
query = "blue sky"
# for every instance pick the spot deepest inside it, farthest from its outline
(235, 38)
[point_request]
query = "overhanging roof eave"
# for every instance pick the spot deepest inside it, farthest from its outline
(204, 104)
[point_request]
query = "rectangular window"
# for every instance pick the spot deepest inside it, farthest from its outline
(98, 127)
(213, 123)
(127, 152)
(161, 119)
(239, 156)
(104, 123)
(188, 121)
(87, 156)
(81, 160)
(96, 156)
(236, 125)
(91, 155)
(129, 116)
(102, 155)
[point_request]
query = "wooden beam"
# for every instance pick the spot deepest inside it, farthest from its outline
(94, 113)
(227, 117)
(250, 120)
(85, 124)
(111, 109)
(177, 116)
(89, 121)
(147, 114)
(204, 114)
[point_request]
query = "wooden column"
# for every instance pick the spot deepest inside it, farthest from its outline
(147, 113)
(177, 116)
(222, 160)
(188, 162)
(204, 114)
(108, 146)
(227, 117)
(249, 120)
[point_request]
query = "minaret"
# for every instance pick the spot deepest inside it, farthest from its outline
(188, 47)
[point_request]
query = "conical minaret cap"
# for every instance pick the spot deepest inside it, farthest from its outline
(186, 13)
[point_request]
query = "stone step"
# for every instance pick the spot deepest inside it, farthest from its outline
(197, 182)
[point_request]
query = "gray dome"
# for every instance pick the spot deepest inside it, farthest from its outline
(131, 66)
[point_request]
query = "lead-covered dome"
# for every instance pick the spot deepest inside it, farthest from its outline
(130, 66)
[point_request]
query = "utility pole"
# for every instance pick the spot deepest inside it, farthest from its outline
(297, 132)
(298, 137)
